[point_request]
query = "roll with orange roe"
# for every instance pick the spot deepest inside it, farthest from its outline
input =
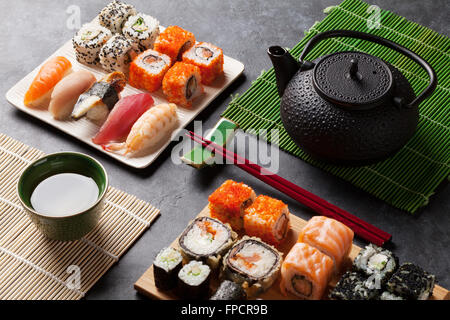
(267, 218)
(208, 58)
(148, 69)
(174, 41)
(182, 84)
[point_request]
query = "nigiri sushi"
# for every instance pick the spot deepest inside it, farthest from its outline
(329, 236)
(305, 272)
(101, 98)
(148, 130)
(67, 91)
(122, 117)
(40, 90)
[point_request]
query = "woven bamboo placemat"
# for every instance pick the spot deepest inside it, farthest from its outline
(34, 267)
(408, 179)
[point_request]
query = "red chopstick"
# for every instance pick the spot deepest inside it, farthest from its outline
(319, 205)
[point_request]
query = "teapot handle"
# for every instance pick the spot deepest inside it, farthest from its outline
(387, 43)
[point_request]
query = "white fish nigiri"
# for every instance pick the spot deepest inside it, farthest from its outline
(66, 93)
(148, 130)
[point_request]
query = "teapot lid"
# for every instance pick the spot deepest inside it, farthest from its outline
(353, 80)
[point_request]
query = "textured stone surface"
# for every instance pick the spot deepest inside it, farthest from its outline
(244, 29)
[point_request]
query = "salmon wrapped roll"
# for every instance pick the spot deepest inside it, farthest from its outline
(305, 272)
(268, 219)
(208, 58)
(229, 201)
(174, 41)
(329, 236)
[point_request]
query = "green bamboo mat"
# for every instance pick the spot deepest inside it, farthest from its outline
(409, 178)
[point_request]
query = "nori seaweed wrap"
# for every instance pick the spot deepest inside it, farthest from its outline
(228, 290)
(166, 266)
(193, 280)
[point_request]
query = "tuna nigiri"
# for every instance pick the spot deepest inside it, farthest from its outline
(148, 130)
(122, 117)
(305, 272)
(40, 90)
(66, 93)
(329, 236)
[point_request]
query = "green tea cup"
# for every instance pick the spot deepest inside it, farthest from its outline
(70, 226)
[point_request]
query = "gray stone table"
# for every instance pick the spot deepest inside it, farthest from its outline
(32, 30)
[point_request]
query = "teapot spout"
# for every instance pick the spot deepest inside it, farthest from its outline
(285, 66)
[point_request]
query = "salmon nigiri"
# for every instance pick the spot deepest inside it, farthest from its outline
(122, 117)
(39, 93)
(305, 272)
(329, 236)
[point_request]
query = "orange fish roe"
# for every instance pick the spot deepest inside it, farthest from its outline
(182, 84)
(229, 201)
(173, 41)
(148, 69)
(268, 219)
(208, 58)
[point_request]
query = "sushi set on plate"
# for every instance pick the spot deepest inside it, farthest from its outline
(125, 85)
(243, 246)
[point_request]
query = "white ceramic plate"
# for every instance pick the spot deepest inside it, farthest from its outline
(84, 129)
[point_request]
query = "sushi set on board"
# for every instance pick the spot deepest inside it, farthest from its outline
(243, 246)
(125, 85)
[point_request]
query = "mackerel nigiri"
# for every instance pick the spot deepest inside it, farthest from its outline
(150, 128)
(122, 117)
(40, 90)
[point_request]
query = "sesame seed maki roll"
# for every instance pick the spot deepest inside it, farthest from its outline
(411, 282)
(182, 84)
(206, 239)
(228, 290)
(253, 264)
(174, 41)
(166, 266)
(88, 42)
(193, 280)
(143, 29)
(114, 15)
(305, 272)
(148, 69)
(352, 286)
(208, 58)
(228, 203)
(376, 261)
(117, 54)
(268, 219)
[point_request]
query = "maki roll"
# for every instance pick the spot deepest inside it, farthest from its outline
(114, 15)
(182, 84)
(376, 261)
(148, 69)
(305, 272)
(352, 286)
(117, 54)
(206, 239)
(174, 41)
(193, 280)
(386, 295)
(228, 203)
(267, 218)
(329, 236)
(253, 264)
(411, 282)
(229, 290)
(142, 29)
(166, 266)
(88, 42)
(208, 58)
(100, 98)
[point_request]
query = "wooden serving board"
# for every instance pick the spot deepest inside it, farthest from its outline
(146, 283)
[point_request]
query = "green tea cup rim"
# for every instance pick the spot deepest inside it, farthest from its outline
(70, 153)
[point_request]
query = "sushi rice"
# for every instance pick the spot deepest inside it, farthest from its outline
(142, 29)
(114, 15)
(117, 54)
(88, 42)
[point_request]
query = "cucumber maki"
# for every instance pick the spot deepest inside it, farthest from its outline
(166, 266)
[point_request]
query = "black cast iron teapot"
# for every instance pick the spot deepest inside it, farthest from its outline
(350, 107)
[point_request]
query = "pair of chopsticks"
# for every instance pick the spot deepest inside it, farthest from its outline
(361, 228)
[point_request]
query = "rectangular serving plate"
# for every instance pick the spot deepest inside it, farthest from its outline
(84, 129)
(146, 283)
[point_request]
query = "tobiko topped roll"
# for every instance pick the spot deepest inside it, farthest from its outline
(208, 58)
(148, 69)
(174, 41)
